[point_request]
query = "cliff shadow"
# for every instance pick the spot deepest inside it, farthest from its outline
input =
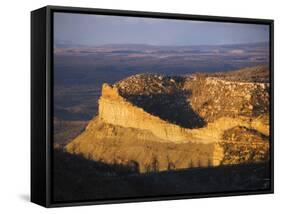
(174, 108)
(76, 178)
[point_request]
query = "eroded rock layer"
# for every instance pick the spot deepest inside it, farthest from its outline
(155, 123)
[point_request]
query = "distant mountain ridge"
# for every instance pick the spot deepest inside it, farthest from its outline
(144, 47)
(66, 44)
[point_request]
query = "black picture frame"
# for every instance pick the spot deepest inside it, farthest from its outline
(42, 101)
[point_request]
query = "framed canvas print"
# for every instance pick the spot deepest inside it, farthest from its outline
(137, 106)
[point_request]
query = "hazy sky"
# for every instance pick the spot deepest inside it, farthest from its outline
(91, 30)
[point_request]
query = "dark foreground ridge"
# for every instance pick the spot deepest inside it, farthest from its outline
(79, 179)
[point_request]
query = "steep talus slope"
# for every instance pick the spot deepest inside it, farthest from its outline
(139, 148)
(154, 123)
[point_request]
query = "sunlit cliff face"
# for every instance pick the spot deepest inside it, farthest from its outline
(155, 123)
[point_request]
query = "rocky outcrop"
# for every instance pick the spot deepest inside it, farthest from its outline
(136, 125)
(114, 109)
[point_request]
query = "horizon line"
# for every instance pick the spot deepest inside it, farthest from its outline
(147, 44)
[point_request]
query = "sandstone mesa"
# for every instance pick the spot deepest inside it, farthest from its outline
(155, 123)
